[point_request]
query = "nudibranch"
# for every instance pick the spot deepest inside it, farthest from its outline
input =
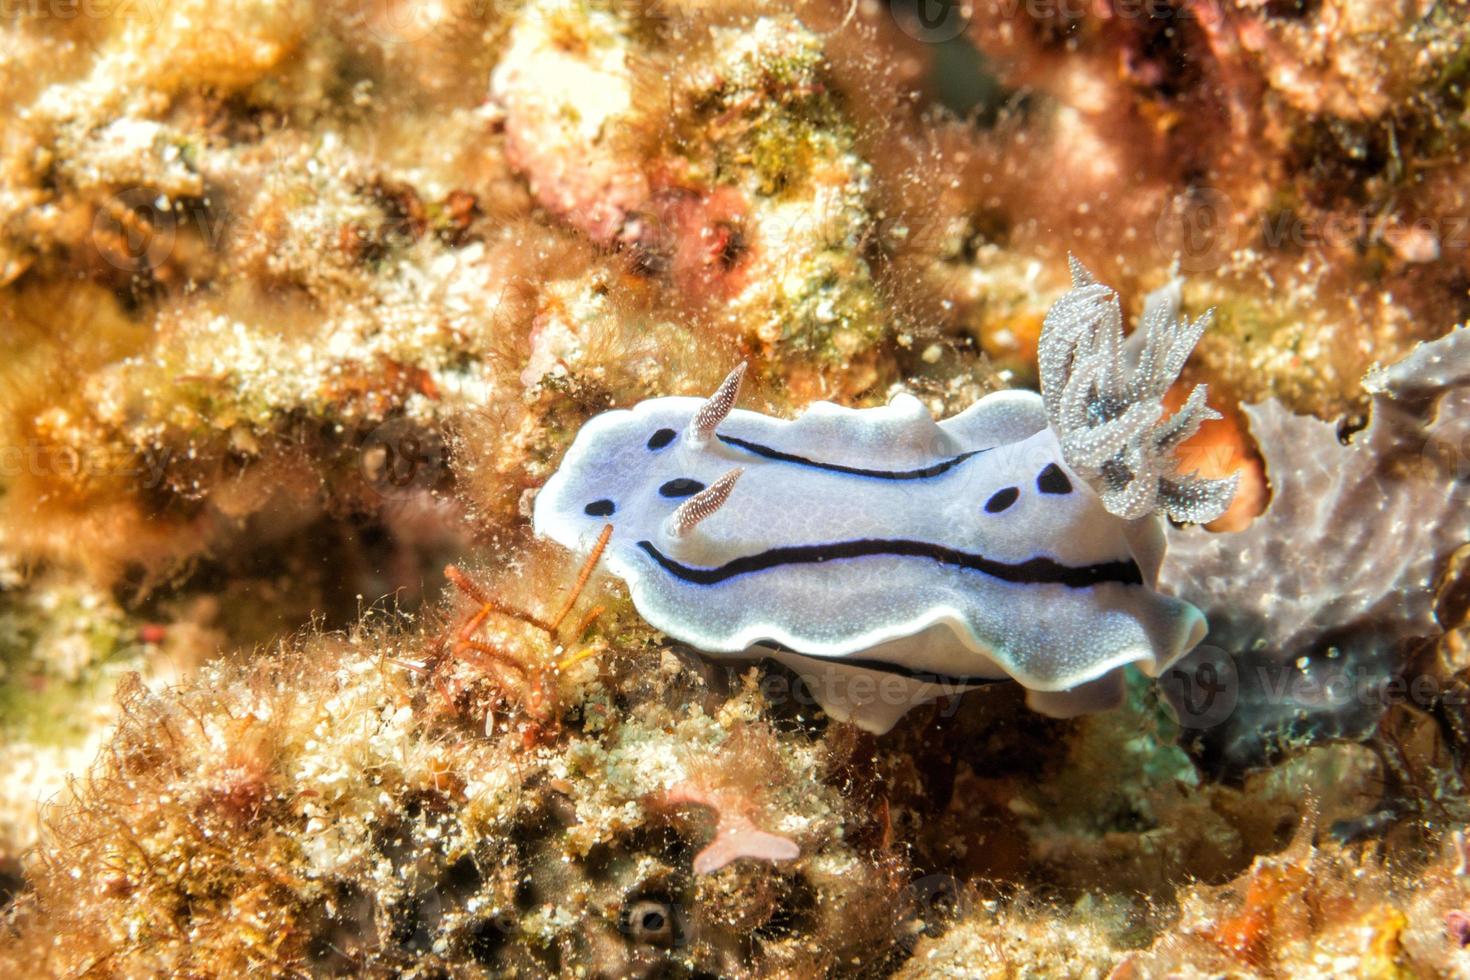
(890, 559)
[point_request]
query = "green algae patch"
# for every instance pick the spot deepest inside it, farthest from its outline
(61, 652)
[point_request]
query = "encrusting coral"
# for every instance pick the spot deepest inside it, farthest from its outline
(300, 303)
(325, 810)
(1306, 912)
(307, 293)
(716, 157)
(1220, 134)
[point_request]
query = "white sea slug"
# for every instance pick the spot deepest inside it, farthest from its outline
(890, 559)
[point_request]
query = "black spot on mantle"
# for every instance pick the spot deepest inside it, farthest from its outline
(1053, 480)
(681, 487)
(1001, 499)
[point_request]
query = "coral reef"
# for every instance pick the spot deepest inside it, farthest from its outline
(715, 157)
(332, 808)
(1307, 912)
(1237, 137)
(300, 303)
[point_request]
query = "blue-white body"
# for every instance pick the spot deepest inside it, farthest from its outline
(886, 557)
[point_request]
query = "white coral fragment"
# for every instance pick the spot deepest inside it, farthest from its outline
(1109, 417)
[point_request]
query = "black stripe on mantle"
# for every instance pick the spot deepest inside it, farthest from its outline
(922, 473)
(1033, 571)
